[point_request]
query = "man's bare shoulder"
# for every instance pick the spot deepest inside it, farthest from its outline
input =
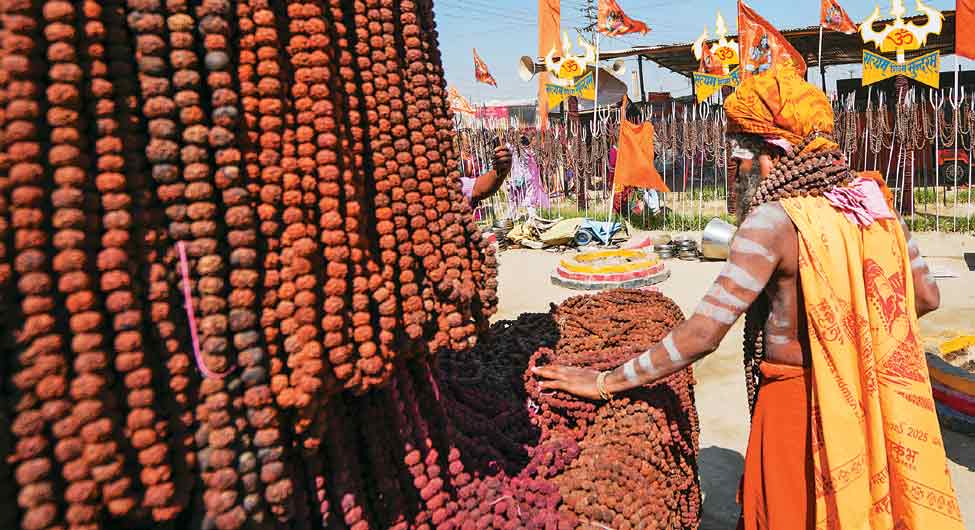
(768, 220)
(768, 226)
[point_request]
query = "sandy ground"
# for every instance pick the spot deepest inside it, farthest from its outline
(721, 402)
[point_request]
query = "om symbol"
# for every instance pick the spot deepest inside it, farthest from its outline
(901, 38)
(571, 66)
(724, 54)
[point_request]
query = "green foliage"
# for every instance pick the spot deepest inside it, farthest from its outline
(930, 223)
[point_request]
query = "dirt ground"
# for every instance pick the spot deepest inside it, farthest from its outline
(720, 392)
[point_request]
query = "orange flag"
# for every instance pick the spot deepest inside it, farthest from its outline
(614, 22)
(481, 72)
(761, 45)
(549, 19)
(965, 28)
(834, 18)
(709, 63)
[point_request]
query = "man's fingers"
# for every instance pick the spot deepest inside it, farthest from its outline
(548, 372)
(552, 384)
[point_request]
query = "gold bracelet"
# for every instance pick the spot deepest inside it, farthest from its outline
(601, 386)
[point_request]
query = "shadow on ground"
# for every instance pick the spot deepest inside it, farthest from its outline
(960, 448)
(720, 471)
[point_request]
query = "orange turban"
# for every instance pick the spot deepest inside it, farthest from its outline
(778, 103)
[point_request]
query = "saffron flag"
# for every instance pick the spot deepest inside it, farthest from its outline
(709, 63)
(481, 72)
(965, 28)
(834, 18)
(549, 38)
(761, 45)
(458, 103)
(614, 22)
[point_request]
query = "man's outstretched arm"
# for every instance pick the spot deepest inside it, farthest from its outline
(927, 297)
(755, 255)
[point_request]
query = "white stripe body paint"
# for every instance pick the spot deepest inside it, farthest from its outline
(741, 278)
(765, 217)
(672, 350)
(918, 263)
(929, 278)
(722, 295)
(646, 363)
(629, 371)
(779, 321)
(747, 246)
(778, 339)
(718, 314)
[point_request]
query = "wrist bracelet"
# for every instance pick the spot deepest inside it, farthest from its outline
(601, 386)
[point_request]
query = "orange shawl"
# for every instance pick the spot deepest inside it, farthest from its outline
(877, 449)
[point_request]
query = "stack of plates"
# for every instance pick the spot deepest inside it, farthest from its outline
(501, 229)
(665, 250)
(687, 249)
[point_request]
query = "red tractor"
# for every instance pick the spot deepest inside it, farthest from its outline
(953, 174)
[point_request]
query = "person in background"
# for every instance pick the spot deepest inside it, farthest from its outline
(844, 429)
(476, 189)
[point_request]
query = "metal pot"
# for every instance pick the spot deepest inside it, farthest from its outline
(716, 239)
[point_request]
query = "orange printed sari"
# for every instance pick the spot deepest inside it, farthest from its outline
(878, 456)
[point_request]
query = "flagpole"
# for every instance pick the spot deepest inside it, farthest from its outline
(954, 117)
(822, 71)
(595, 114)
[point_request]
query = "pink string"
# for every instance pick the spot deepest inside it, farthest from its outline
(184, 269)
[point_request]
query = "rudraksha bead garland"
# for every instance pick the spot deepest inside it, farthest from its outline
(311, 195)
(300, 153)
(258, 45)
(793, 175)
(39, 349)
(117, 288)
(81, 429)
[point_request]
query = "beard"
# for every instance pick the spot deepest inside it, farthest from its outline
(746, 184)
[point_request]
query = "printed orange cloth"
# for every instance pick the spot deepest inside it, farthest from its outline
(780, 104)
(877, 449)
(833, 17)
(634, 158)
(761, 46)
(777, 486)
(612, 21)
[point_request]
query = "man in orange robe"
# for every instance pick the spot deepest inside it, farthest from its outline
(844, 430)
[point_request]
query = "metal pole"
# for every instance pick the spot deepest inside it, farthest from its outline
(643, 91)
(956, 103)
(822, 70)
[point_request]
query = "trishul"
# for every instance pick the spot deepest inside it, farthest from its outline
(568, 67)
(724, 50)
(901, 36)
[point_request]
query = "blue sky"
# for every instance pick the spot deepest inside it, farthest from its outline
(504, 30)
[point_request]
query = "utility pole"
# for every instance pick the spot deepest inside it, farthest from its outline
(591, 14)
